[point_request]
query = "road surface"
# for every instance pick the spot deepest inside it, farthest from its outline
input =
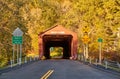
(57, 69)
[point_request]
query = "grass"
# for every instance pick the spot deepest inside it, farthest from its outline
(113, 68)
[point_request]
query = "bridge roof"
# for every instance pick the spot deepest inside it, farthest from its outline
(59, 30)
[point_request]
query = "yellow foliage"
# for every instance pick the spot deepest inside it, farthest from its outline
(43, 58)
(31, 54)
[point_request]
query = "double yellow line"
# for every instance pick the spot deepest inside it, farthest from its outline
(47, 74)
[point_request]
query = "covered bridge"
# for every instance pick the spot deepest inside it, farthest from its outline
(58, 36)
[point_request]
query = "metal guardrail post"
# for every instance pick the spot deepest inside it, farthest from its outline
(96, 62)
(34, 58)
(81, 58)
(11, 63)
(25, 59)
(78, 57)
(118, 64)
(106, 64)
(30, 59)
(19, 61)
(90, 61)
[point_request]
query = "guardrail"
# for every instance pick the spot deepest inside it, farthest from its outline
(14, 65)
(113, 66)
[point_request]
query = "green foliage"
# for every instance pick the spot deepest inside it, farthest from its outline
(56, 52)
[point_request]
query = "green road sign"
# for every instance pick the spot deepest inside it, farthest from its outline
(17, 39)
(100, 40)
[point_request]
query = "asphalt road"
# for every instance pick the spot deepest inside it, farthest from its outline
(57, 69)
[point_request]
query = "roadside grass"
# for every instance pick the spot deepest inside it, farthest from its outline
(112, 68)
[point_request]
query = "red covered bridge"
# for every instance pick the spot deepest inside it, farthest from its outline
(58, 36)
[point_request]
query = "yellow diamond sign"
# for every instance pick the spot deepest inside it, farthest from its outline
(85, 39)
(86, 29)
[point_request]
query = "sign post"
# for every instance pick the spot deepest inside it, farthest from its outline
(17, 40)
(100, 40)
(13, 53)
(86, 40)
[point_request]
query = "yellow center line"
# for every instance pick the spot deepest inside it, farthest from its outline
(46, 75)
(49, 74)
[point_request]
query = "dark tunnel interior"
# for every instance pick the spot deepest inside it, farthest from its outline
(63, 41)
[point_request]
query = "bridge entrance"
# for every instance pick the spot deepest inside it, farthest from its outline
(58, 36)
(63, 41)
